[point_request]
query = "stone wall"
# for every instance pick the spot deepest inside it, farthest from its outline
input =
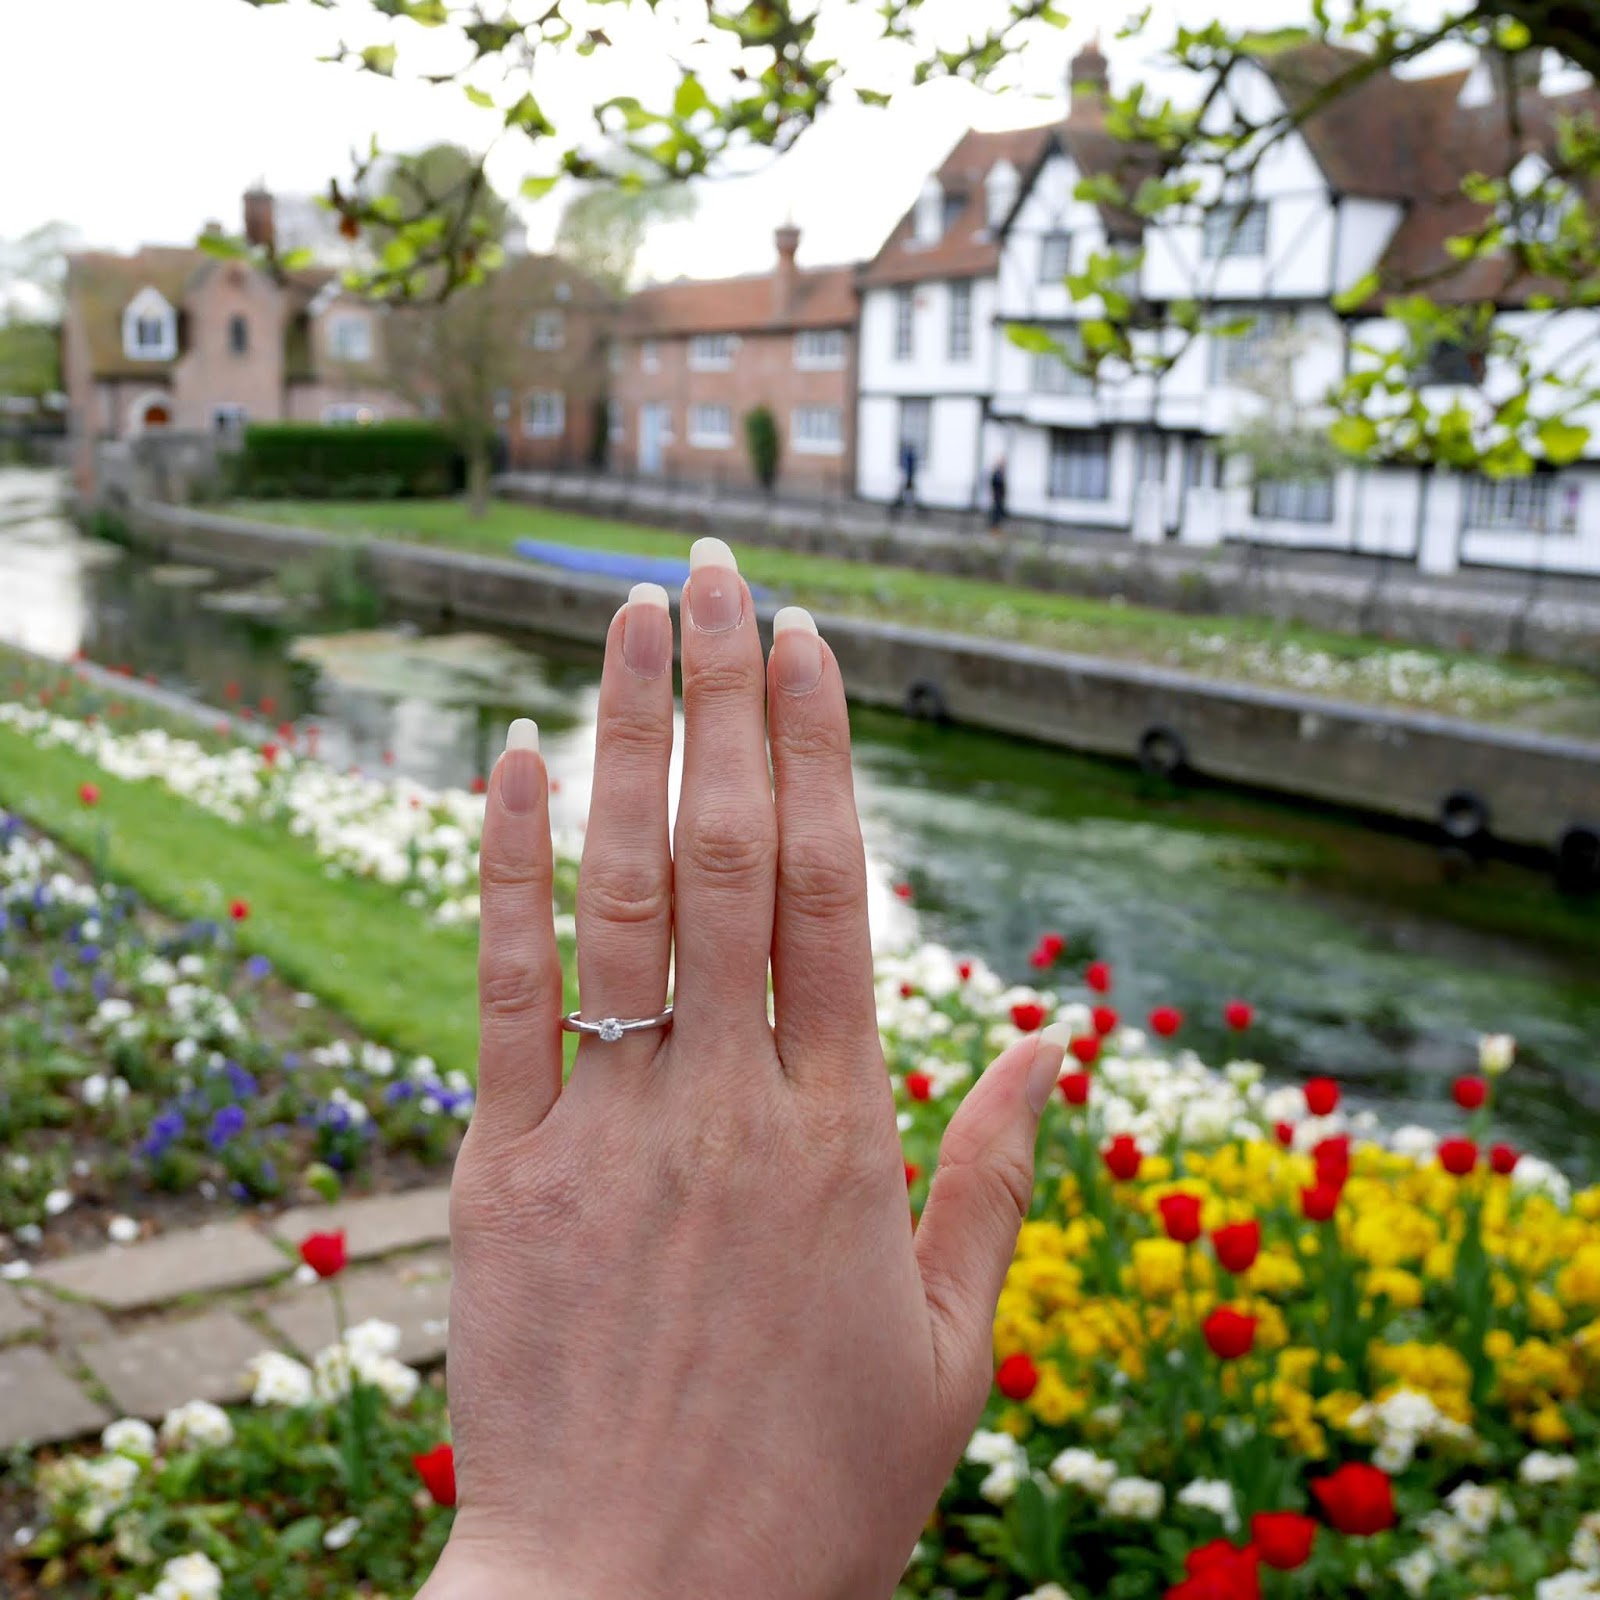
(1526, 789)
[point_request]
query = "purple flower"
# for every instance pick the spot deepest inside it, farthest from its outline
(60, 978)
(243, 1083)
(89, 954)
(397, 1092)
(257, 967)
(226, 1126)
(291, 1060)
(101, 985)
(167, 1127)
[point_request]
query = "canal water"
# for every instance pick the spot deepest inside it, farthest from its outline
(1369, 956)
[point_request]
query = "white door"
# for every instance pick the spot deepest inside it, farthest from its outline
(652, 435)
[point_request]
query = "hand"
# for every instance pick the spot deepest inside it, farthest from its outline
(695, 1347)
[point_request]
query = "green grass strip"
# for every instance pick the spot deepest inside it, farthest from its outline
(400, 978)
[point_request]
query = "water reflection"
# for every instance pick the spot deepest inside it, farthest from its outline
(1364, 957)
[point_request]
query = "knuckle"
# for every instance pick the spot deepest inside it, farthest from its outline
(822, 739)
(525, 875)
(721, 679)
(509, 987)
(732, 844)
(995, 1177)
(626, 890)
(632, 737)
(820, 881)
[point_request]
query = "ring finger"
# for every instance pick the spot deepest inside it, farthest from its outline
(625, 881)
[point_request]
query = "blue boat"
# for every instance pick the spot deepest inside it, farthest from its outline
(670, 572)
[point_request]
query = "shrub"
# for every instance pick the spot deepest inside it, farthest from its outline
(761, 439)
(386, 460)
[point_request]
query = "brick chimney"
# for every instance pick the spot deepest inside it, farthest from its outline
(260, 228)
(783, 279)
(1089, 75)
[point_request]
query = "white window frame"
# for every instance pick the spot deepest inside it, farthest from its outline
(228, 416)
(805, 440)
(1057, 242)
(1064, 454)
(553, 424)
(548, 330)
(701, 438)
(820, 349)
(904, 343)
(649, 356)
(1049, 374)
(357, 412)
(1235, 356)
(958, 329)
(149, 310)
(1509, 505)
(1234, 230)
(343, 342)
(1308, 501)
(712, 352)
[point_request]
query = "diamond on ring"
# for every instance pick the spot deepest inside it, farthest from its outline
(610, 1029)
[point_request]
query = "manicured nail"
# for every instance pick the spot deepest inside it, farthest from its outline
(716, 599)
(647, 631)
(1057, 1033)
(796, 650)
(1043, 1071)
(519, 768)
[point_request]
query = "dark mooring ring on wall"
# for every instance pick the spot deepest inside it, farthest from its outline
(924, 701)
(1578, 860)
(1162, 752)
(1463, 816)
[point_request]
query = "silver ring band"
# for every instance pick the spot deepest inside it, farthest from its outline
(610, 1029)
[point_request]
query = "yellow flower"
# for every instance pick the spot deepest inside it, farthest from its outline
(1578, 1283)
(1545, 1311)
(1402, 1289)
(1435, 1370)
(1158, 1268)
(1275, 1273)
(1548, 1426)
(1053, 1402)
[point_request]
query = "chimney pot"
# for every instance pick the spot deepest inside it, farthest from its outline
(260, 225)
(783, 278)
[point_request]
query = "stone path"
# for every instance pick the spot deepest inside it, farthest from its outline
(136, 1330)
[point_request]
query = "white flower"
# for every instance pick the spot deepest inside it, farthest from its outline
(122, 1230)
(130, 1437)
(1394, 1453)
(197, 1423)
(985, 1449)
(1138, 1498)
(1570, 1585)
(1083, 1469)
(1051, 1591)
(13, 1270)
(332, 1372)
(1001, 1481)
(372, 1338)
(1449, 1540)
(1214, 1495)
(94, 1089)
(279, 1380)
(57, 1201)
(1477, 1506)
(1416, 1571)
(191, 1577)
(341, 1533)
(397, 1381)
(1496, 1052)
(1543, 1466)
(1584, 1551)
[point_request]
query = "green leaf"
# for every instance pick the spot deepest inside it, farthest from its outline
(1036, 340)
(1562, 442)
(478, 96)
(537, 188)
(305, 1534)
(528, 115)
(1354, 435)
(222, 247)
(379, 58)
(690, 98)
(1357, 295)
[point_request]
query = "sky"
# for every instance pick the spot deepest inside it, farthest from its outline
(147, 118)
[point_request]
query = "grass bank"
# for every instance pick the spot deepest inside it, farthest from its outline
(1247, 649)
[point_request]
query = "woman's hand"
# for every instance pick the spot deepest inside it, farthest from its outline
(695, 1347)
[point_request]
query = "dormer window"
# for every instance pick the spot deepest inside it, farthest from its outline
(928, 221)
(149, 328)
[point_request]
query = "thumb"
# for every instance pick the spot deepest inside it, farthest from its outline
(980, 1195)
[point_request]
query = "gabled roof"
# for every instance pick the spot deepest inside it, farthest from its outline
(822, 297)
(99, 287)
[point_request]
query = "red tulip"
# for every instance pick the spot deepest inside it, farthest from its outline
(963, 970)
(1320, 1202)
(1238, 1014)
(1180, 1216)
(1039, 958)
(1229, 1333)
(1017, 1377)
(480, 784)
(1098, 976)
(1086, 1049)
(388, 758)
(1469, 1092)
(1219, 1571)
(1458, 1156)
(1283, 1538)
(286, 732)
(437, 1469)
(238, 909)
(88, 794)
(1166, 1020)
(1105, 1020)
(268, 705)
(1332, 1158)
(902, 891)
(919, 1085)
(1283, 1132)
(1075, 1088)
(913, 1172)
(1322, 1096)
(1123, 1158)
(1237, 1245)
(269, 752)
(1052, 944)
(1028, 1015)
(1503, 1159)
(324, 1253)
(231, 689)
(907, 990)
(1357, 1499)
(224, 728)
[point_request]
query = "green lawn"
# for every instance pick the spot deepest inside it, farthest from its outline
(1240, 648)
(399, 978)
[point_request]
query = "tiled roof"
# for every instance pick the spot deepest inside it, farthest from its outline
(823, 297)
(99, 287)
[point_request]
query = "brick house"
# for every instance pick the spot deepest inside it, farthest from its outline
(693, 357)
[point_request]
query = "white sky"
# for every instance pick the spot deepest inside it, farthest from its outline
(138, 120)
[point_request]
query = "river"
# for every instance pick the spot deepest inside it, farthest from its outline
(1368, 955)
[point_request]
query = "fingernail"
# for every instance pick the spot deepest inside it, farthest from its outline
(1043, 1071)
(647, 631)
(1057, 1033)
(796, 650)
(519, 768)
(716, 599)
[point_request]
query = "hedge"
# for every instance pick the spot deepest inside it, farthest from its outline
(380, 460)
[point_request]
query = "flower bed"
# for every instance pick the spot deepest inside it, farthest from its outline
(148, 1069)
(1250, 1343)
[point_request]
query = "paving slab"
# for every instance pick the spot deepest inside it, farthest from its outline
(17, 1317)
(40, 1403)
(375, 1226)
(414, 1295)
(222, 1255)
(149, 1370)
